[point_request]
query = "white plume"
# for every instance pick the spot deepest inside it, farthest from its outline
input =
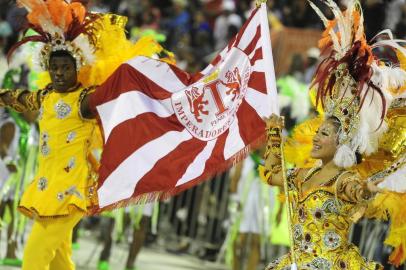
(36, 57)
(82, 42)
(345, 157)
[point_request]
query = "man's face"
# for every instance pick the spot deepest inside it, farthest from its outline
(62, 70)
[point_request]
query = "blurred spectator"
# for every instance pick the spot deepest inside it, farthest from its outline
(393, 13)
(5, 32)
(144, 20)
(298, 13)
(98, 6)
(313, 55)
(374, 15)
(400, 28)
(16, 19)
(202, 35)
(226, 25)
(147, 15)
(179, 24)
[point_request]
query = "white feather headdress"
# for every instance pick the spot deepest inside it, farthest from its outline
(353, 84)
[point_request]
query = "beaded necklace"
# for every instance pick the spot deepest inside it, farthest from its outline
(315, 170)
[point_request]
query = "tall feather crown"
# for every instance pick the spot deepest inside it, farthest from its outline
(60, 25)
(353, 84)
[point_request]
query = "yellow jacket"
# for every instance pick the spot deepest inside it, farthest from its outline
(65, 180)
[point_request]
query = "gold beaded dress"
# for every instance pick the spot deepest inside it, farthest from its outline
(321, 221)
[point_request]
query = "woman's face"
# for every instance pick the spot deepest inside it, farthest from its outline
(325, 141)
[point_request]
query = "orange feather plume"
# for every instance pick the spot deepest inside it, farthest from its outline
(78, 10)
(37, 10)
(58, 9)
(59, 12)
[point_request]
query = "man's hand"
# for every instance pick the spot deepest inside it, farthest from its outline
(85, 109)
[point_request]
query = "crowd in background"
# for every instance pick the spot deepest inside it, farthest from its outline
(195, 31)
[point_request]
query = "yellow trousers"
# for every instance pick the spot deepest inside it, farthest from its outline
(49, 246)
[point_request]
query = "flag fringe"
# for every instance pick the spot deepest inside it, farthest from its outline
(164, 195)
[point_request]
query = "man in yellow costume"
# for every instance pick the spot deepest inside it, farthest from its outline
(63, 190)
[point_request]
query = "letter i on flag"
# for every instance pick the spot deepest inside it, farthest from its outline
(166, 130)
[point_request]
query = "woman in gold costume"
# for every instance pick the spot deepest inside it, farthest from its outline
(354, 90)
(325, 200)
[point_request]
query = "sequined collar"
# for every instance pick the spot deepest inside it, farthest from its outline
(314, 171)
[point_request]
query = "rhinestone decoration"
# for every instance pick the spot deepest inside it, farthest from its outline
(348, 116)
(331, 240)
(42, 183)
(73, 191)
(329, 206)
(298, 232)
(302, 214)
(306, 247)
(71, 164)
(59, 43)
(62, 109)
(320, 264)
(318, 213)
(40, 113)
(45, 149)
(71, 137)
(45, 136)
(60, 196)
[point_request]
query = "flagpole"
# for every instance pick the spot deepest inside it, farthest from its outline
(285, 183)
(290, 210)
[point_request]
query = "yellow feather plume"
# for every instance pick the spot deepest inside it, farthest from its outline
(114, 49)
(389, 205)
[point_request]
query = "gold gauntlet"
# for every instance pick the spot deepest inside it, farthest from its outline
(359, 193)
(2, 93)
(20, 100)
(355, 190)
(273, 153)
(274, 142)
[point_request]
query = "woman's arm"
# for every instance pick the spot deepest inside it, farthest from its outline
(351, 187)
(20, 100)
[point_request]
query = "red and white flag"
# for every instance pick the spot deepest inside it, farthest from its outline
(166, 130)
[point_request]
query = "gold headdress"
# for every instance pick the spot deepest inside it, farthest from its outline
(353, 85)
(60, 26)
